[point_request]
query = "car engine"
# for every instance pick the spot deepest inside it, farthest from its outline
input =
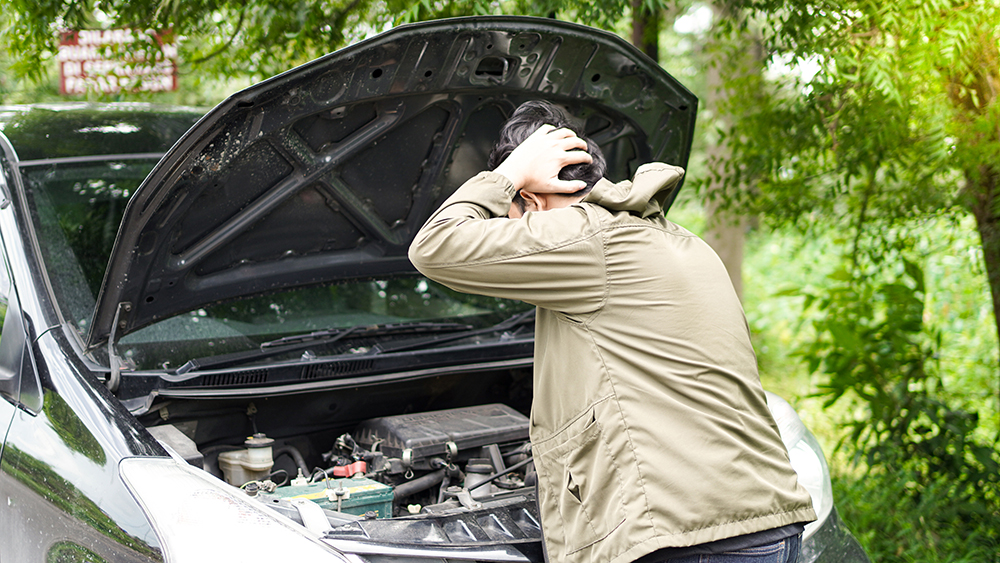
(455, 476)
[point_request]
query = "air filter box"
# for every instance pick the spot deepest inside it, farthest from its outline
(414, 438)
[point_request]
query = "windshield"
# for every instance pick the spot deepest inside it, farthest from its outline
(77, 207)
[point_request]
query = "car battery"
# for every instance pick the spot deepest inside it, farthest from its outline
(415, 438)
(351, 496)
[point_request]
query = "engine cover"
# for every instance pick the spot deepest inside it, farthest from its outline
(416, 437)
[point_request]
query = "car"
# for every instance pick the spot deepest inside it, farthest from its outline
(214, 347)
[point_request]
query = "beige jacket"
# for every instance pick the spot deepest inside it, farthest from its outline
(649, 425)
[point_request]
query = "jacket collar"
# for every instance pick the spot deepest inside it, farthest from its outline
(644, 195)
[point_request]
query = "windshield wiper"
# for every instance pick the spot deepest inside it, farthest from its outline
(418, 343)
(334, 334)
(304, 341)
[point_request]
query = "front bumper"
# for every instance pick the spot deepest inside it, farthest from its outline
(833, 543)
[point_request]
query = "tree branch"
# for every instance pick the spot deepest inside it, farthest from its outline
(229, 42)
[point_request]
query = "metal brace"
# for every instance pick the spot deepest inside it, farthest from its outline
(465, 499)
(313, 517)
(114, 360)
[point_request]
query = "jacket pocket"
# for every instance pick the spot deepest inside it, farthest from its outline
(583, 487)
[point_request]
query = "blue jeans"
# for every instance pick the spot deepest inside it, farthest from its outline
(781, 551)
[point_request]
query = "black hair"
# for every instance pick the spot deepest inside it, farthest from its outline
(525, 120)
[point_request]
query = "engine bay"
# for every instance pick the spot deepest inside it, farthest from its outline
(460, 475)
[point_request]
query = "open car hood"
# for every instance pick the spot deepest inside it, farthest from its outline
(326, 172)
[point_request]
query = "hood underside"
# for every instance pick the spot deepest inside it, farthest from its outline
(326, 172)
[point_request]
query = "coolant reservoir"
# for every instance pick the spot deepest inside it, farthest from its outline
(251, 464)
(476, 473)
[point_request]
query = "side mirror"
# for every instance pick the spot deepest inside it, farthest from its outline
(18, 382)
(12, 342)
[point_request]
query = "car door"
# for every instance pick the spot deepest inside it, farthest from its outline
(11, 333)
(62, 437)
(9, 380)
(6, 408)
(20, 396)
(18, 384)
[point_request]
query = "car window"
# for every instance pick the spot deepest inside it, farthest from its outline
(77, 208)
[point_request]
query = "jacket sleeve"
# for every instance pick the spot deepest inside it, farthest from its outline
(553, 259)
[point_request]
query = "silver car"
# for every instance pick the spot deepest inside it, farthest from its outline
(215, 349)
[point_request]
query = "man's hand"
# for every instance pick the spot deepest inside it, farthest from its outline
(535, 164)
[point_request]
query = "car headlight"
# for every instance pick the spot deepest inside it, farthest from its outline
(807, 459)
(199, 518)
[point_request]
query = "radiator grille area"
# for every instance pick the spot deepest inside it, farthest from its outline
(322, 371)
(253, 377)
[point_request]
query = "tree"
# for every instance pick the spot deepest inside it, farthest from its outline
(229, 38)
(870, 119)
(258, 38)
(646, 28)
(887, 113)
(740, 50)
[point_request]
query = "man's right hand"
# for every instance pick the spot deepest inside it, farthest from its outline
(535, 164)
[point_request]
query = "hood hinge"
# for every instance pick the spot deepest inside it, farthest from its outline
(114, 361)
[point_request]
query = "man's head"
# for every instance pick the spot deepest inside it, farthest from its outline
(526, 119)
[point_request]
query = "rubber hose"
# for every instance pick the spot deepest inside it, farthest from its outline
(419, 484)
(296, 457)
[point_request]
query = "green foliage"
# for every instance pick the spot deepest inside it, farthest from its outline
(422, 10)
(872, 111)
(873, 348)
(868, 112)
(229, 38)
(901, 520)
(859, 133)
(917, 510)
(256, 38)
(872, 119)
(871, 343)
(957, 290)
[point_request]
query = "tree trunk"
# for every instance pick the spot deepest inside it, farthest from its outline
(646, 30)
(726, 234)
(982, 183)
(725, 229)
(985, 206)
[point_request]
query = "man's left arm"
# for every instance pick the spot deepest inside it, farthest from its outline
(553, 259)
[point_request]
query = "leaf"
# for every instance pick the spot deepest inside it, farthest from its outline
(841, 275)
(788, 292)
(844, 336)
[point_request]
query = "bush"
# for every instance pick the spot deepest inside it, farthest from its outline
(926, 484)
(899, 519)
(889, 353)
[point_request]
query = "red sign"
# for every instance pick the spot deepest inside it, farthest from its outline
(87, 62)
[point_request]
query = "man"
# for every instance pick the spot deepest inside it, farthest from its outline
(525, 121)
(649, 428)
